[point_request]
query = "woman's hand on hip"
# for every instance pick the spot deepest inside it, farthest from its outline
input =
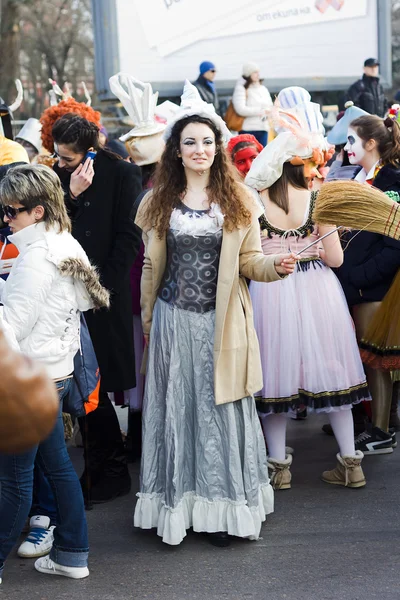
(285, 264)
(82, 178)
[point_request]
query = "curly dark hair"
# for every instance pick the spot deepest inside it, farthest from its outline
(170, 182)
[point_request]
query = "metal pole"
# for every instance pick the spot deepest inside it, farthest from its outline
(106, 47)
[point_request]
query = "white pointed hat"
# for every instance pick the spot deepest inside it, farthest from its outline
(31, 133)
(192, 104)
(338, 133)
(140, 104)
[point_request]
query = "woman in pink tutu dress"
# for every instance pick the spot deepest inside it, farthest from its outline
(303, 323)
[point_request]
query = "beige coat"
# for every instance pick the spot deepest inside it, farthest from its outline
(237, 365)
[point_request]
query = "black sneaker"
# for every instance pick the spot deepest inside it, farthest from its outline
(358, 428)
(374, 441)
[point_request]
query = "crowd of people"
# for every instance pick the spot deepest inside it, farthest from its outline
(183, 270)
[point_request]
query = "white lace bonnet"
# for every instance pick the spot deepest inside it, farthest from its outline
(300, 141)
(192, 104)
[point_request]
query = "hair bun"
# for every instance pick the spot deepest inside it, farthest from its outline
(388, 122)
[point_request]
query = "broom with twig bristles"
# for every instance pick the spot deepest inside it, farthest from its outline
(362, 207)
(358, 206)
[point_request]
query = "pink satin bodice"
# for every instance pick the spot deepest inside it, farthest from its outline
(278, 241)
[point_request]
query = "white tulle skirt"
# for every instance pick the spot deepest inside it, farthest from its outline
(203, 466)
(308, 345)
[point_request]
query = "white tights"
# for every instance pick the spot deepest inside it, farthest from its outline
(274, 427)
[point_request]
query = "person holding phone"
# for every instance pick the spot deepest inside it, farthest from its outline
(100, 192)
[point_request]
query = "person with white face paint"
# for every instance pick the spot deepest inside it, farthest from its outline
(356, 152)
(341, 167)
(370, 266)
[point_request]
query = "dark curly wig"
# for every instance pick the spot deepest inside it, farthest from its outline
(170, 182)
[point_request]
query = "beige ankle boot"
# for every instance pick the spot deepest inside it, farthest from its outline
(348, 471)
(279, 472)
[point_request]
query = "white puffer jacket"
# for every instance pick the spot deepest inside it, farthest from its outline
(250, 104)
(50, 283)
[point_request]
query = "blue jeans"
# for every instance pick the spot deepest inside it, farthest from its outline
(261, 136)
(70, 547)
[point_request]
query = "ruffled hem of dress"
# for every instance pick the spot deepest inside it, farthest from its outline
(236, 518)
(322, 402)
(383, 359)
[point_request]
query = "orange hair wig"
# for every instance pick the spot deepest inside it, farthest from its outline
(53, 113)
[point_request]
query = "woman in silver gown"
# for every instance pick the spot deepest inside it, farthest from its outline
(204, 461)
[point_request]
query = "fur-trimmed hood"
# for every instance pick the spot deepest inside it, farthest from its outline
(50, 284)
(87, 282)
(65, 252)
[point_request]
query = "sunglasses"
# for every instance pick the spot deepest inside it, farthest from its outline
(12, 213)
(213, 70)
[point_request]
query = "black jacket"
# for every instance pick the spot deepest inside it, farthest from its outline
(102, 223)
(367, 93)
(371, 261)
(206, 92)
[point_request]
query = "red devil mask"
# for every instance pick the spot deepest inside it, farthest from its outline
(244, 158)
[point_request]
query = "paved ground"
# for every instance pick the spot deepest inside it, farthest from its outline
(322, 543)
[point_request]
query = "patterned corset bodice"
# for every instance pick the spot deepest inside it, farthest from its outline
(190, 278)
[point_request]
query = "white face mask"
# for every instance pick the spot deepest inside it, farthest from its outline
(354, 147)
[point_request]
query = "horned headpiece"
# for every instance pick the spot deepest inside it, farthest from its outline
(57, 94)
(7, 111)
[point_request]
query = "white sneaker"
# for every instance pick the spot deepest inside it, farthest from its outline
(46, 565)
(39, 540)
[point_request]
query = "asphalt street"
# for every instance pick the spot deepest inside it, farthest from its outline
(322, 543)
